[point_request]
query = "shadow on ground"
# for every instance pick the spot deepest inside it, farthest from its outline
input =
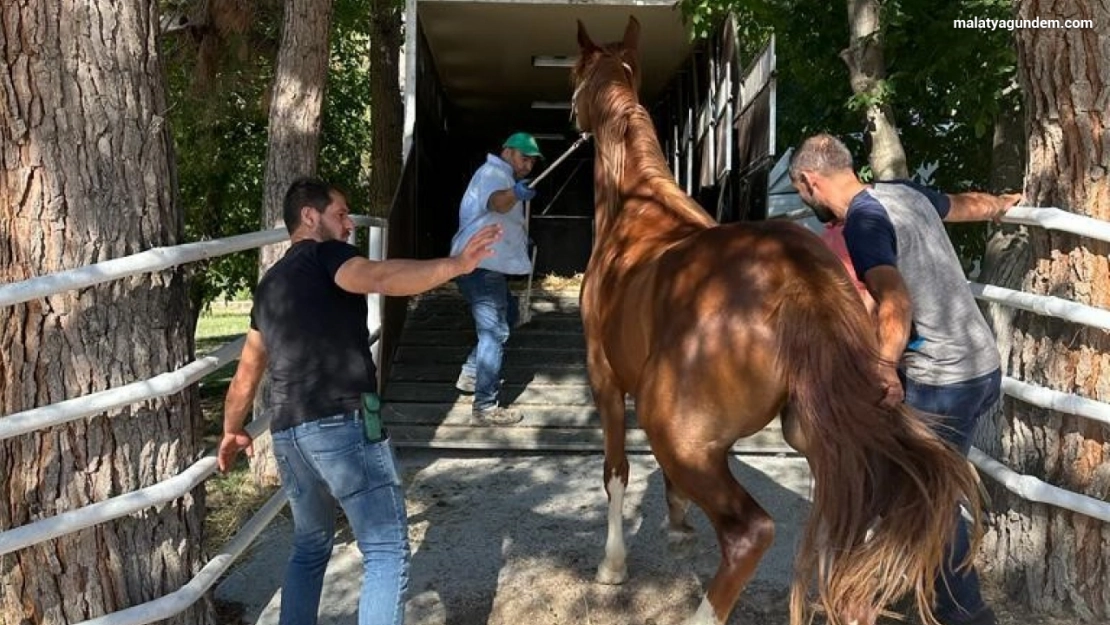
(517, 538)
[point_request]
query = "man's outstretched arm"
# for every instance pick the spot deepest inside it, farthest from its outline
(975, 206)
(402, 276)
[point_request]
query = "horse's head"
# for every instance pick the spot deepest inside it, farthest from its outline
(602, 65)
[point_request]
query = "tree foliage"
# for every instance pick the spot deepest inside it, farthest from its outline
(812, 80)
(948, 86)
(345, 136)
(220, 71)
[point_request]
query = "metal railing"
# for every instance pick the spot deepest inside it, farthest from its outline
(181, 599)
(1025, 486)
(156, 259)
(115, 507)
(103, 401)
(1052, 218)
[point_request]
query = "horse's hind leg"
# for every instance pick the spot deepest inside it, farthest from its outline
(744, 530)
(609, 399)
(678, 530)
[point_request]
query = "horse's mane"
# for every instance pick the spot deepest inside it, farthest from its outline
(624, 132)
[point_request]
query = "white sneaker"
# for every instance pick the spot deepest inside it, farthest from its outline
(496, 415)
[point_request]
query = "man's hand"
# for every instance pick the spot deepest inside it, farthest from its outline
(893, 393)
(478, 248)
(523, 192)
(1004, 203)
(230, 446)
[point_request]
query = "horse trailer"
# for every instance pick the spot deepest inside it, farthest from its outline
(477, 71)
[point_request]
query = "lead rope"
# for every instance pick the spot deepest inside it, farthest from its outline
(525, 307)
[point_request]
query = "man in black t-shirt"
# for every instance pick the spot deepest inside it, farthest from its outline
(308, 331)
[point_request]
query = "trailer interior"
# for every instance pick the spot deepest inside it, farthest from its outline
(478, 71)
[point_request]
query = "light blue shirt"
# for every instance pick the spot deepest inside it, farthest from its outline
(511, 252)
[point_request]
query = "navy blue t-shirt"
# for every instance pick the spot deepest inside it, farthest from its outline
(315, 335)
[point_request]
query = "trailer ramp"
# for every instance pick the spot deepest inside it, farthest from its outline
(544, 373)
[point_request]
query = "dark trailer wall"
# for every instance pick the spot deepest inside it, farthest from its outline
(477, 71)
(482, 70)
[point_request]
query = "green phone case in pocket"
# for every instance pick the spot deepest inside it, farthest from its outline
(372, 417)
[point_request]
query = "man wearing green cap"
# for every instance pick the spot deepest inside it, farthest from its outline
(495, 195)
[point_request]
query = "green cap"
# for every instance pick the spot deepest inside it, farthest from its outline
(523, 142)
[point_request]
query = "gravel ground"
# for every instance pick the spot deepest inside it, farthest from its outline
(515, 539)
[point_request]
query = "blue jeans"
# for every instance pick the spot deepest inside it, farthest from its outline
(328, 461)
(493, 308)
(960, 405)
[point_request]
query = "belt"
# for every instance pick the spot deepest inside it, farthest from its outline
(350, 415)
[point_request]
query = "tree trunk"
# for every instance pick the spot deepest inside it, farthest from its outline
(294, 137)
(386, 107)
(867, 74)
(1052, 559)
(1008, 146)
(87, 176)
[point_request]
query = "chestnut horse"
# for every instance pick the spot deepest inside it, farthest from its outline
(716, 329)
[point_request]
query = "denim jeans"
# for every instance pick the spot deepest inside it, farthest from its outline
(488, 294)
(328, 461)
(960, 405)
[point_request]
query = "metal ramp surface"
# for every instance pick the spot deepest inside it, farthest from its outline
(544, 374)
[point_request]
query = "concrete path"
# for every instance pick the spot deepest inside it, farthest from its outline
(514, 538)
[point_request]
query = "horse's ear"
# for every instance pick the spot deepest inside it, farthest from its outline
(631, 34)
(584, 42)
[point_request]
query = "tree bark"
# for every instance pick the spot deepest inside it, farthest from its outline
(867, 74)
(386, 107)
(294, 137)
(1008, 146)
(86, 175)
(1049, 558)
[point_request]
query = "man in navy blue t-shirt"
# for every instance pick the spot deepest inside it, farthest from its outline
(308, 331)
(939, 355)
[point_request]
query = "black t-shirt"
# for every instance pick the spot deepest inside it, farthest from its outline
(315, 335)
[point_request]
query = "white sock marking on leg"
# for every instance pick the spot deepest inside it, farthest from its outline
(612, 569)
(704, 615)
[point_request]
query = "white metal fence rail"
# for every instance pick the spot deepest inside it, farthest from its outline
(157, 259)
(103, 401)
(1026, 486)
(181, 599)
(1052, 218)
(1033, 489)
(1043, 305)
(159, 386)
(115, 507)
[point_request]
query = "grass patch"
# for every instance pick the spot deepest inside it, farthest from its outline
(232, 500)
(220, 324)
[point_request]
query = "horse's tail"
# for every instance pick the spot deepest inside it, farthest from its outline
(886, 486)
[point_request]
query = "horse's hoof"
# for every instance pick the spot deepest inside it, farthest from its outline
(612, 576)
